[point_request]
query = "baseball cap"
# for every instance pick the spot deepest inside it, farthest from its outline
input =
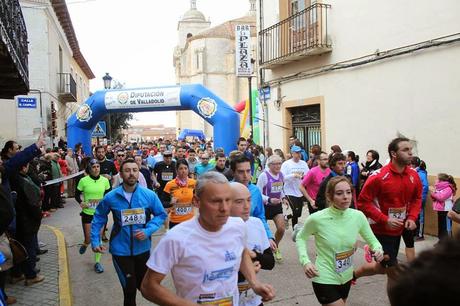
(167, 153)
(296, 149)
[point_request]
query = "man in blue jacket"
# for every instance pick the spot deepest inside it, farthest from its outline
(241, 168)
(132, 208)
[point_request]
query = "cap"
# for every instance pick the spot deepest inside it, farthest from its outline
(167, 153)
(296, 149)
(93, 162)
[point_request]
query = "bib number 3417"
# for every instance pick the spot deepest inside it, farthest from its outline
(343, 261)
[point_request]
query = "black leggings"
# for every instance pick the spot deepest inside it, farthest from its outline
(296, 204)
(442, 224)
(131, 271)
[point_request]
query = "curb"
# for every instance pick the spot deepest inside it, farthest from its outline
(65, 292)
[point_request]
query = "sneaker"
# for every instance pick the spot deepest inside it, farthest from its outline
(278, 256)
(16, 279)
(52, 209)
(296, 230)
(36, 279)
(42, 244)
(10, 300)
(367, 253)
(82, 249)
(419, 238)
(42, 251)
(98, 267)
(104, 238)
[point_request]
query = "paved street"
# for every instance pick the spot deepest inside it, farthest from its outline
(292, 287)
(46, 292)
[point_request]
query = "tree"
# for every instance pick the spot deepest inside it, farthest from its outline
(117, 121)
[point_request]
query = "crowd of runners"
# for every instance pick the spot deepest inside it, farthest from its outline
(215, 207)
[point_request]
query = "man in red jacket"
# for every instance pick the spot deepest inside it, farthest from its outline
(391, 199)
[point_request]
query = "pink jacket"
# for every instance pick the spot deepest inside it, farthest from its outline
(443, 192)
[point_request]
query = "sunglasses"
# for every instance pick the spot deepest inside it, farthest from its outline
(121, 155)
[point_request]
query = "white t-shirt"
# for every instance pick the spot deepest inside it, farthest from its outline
(257, 241)
(292, 183)
(204, 265)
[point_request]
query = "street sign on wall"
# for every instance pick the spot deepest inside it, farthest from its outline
(100, 130)
(27, 102)
(243, 50)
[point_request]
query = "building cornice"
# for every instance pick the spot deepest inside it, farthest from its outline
(62, 13)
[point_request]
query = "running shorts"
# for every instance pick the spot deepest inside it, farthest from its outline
(85, 218)
(327, 294)
(272, 210)
(390, 246)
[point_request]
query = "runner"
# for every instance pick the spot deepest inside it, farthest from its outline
(180, 191)
(164, 171)
(93, 187)
(241, 169)
(204, 254)
(391, 198)
(257, 242)
(293, 171)
(204, 166)
(132, 208)
(270, 184)
(311, 182)
(335, 229)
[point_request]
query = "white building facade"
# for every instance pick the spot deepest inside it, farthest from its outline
(59, 75)
(358, 74)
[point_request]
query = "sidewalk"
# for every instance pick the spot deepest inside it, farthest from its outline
(52, 289)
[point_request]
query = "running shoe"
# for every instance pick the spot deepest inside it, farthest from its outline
(296, 230)
(278, 256)
(367, 253)
(83, 248)
(98, 267)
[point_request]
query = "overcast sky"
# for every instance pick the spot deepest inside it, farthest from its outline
(133, 40)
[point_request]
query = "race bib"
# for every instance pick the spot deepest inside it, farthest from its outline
(167, 176)
(182, 209)
(132, 216)
(343, 261)
(228, 301)
(277, 187)
(93, 203)
(397, 213)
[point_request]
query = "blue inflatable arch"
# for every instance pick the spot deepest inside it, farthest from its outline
(220, 115)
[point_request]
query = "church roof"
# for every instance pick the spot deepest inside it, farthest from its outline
(193, 15)
(227, 29)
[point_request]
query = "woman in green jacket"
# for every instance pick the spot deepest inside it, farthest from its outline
(336, 230)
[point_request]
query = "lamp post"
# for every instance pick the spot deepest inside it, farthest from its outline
(107, 85)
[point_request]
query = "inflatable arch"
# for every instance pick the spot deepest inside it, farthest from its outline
(220, 115)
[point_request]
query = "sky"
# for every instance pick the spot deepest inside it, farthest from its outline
(133, 40)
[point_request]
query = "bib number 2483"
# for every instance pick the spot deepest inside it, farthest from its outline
(133, 216)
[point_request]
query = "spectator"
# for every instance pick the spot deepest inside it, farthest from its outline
(442, 195)
(72, 166)
(372, 164)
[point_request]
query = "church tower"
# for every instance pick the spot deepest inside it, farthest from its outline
(191, 23)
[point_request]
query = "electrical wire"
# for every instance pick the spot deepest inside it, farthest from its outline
(367, 59)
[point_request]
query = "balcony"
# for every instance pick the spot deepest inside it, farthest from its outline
(14, 70)
(67, 90)
(302, 34)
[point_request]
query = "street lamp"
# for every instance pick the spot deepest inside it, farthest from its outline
(107, 85)
(107, 81)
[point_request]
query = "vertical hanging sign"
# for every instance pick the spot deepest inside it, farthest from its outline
(243, 50)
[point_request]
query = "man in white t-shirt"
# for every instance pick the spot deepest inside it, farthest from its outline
(204, 254)
(257, 242)
(293, 171)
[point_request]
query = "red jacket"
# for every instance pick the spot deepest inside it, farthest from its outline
(388, 192)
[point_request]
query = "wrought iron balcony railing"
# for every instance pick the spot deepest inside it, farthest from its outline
(302, 34)
(67, 89)
(14, 75)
